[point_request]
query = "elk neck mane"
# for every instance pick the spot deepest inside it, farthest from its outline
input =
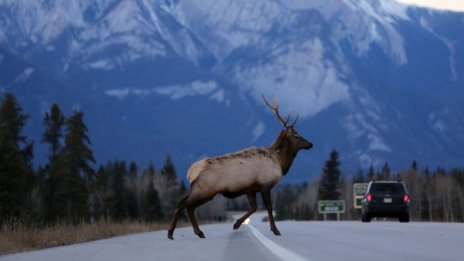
(284, 152)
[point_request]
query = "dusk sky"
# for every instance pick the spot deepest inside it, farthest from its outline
(456, 5)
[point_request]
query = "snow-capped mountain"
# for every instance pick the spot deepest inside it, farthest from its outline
(374, 79)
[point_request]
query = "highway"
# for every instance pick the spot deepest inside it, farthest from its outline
(312, 241)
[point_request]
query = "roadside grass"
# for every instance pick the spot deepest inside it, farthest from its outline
(19, 237)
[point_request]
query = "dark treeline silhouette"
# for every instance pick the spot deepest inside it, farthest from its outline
(435, 195)
(67, 188)
(72, 188)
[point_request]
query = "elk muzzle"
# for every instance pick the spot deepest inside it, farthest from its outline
(307, 145)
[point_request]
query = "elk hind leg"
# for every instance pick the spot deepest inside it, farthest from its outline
(253, 207)
(179, 207)
(194, 199)
(193, 220)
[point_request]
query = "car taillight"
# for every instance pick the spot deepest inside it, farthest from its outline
(369, 197)
(406, 198)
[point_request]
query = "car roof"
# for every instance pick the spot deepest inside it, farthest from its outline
(386, 181)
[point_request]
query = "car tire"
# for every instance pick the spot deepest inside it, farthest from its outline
(365, 217)
(404, 218)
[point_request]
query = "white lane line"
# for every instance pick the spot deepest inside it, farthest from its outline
(276, 249)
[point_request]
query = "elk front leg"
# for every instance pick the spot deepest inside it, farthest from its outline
(266, 194)
(253, 207)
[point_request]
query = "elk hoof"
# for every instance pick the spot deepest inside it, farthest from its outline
(237, 225)
(276, 232)
(170, 235)
(201, 235)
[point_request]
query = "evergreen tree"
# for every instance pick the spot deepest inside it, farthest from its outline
(172, 192)
(101, 193)
(425, 204)
(16, 174)
(371, 174)
(330, 181)
(152, 210)
(54, 122)
(384, 173)
(55, 169)
(79, 174)
(119, 192)
(132, 201)
(303, 212)
(77, 152)
(284, 203)
(150, 171)
(133, 170)
(148, 177)
(359, 178)
(169, 171)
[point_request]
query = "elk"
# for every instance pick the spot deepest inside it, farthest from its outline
(249, 171)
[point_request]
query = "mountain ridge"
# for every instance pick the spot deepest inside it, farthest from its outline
(376, 80)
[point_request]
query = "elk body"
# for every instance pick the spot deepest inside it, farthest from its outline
(247, 172)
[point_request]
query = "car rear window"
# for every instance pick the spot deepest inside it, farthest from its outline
(391, 188)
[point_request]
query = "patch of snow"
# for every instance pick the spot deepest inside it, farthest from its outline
(66, 67)
(376, 143)
(101, 64)
(440, 126)
(44, 22)
(424, 23)
(449, 44)
(452, 58)
(394, 8)
(437, 123)
(27, 73)
(77, 107)
(365, 123)
(364, 128)
(218, 96)
(118, 93)
(229, 24)
(258, 130)
(367, 160)
(123, 18)
(174, 92)
(22, 77)
(354, 131)
(299, 76)
(363, 22)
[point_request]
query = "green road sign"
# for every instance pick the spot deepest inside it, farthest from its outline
(331, 206)
(359, 189)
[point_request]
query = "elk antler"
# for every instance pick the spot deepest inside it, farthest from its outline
(296, 119)
(275, 109)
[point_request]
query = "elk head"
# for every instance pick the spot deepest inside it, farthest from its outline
(289, 136)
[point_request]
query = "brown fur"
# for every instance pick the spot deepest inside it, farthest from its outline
(247, 172)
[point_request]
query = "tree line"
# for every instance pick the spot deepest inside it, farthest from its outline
(435, 195)
(68, 188)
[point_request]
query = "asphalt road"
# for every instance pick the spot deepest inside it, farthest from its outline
(314, 241)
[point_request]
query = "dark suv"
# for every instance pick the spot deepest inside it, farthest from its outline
(385, 199)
